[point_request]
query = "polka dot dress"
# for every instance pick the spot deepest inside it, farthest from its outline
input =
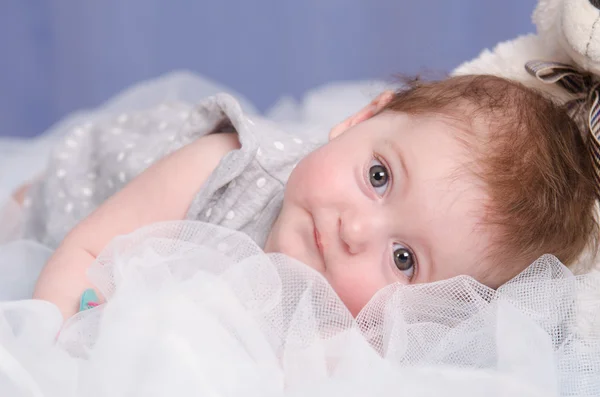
(97, 159)
(245, 191)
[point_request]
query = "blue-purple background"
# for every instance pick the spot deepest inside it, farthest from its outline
(57, 56)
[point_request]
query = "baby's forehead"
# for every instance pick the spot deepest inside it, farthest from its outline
(453, 213)
(458, 119)
(446, 194)
(447, 128)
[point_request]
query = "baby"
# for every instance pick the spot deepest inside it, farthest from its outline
(473, 175)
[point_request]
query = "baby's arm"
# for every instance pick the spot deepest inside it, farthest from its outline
(163, 192)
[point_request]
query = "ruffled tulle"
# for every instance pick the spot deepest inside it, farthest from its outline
(193, 309)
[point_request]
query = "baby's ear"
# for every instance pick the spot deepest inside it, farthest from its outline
(364, 114)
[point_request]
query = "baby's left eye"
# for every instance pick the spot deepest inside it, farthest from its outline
(378, 176)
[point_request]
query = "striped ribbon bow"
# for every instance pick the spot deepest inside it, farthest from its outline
(584, 108)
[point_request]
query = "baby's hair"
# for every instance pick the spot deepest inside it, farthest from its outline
(531, 157)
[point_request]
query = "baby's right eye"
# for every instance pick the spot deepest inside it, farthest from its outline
(378, 177)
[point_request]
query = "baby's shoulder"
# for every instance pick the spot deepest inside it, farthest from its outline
(278, 151)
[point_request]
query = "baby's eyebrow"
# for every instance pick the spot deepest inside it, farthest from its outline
(426, 262)
(401, 156)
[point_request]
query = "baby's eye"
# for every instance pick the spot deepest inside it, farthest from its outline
(404, 260)
(378, 176)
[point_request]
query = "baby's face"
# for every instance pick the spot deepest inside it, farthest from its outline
(386, 201)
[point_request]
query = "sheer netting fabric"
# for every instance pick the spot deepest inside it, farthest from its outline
(195, 309)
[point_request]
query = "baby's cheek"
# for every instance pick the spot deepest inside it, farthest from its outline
(326, 171)
(305, 178)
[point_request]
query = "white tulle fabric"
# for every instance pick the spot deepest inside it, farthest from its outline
(196, 310)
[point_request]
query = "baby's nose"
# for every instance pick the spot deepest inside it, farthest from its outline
(358, 230)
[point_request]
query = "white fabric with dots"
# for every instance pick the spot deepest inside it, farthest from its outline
(95, 160)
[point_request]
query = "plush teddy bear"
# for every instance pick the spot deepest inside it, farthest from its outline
(568, 32)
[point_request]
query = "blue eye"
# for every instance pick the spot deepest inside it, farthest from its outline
(378, 176)
(404, 260)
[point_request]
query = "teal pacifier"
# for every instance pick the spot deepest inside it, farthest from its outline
(89, 300)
